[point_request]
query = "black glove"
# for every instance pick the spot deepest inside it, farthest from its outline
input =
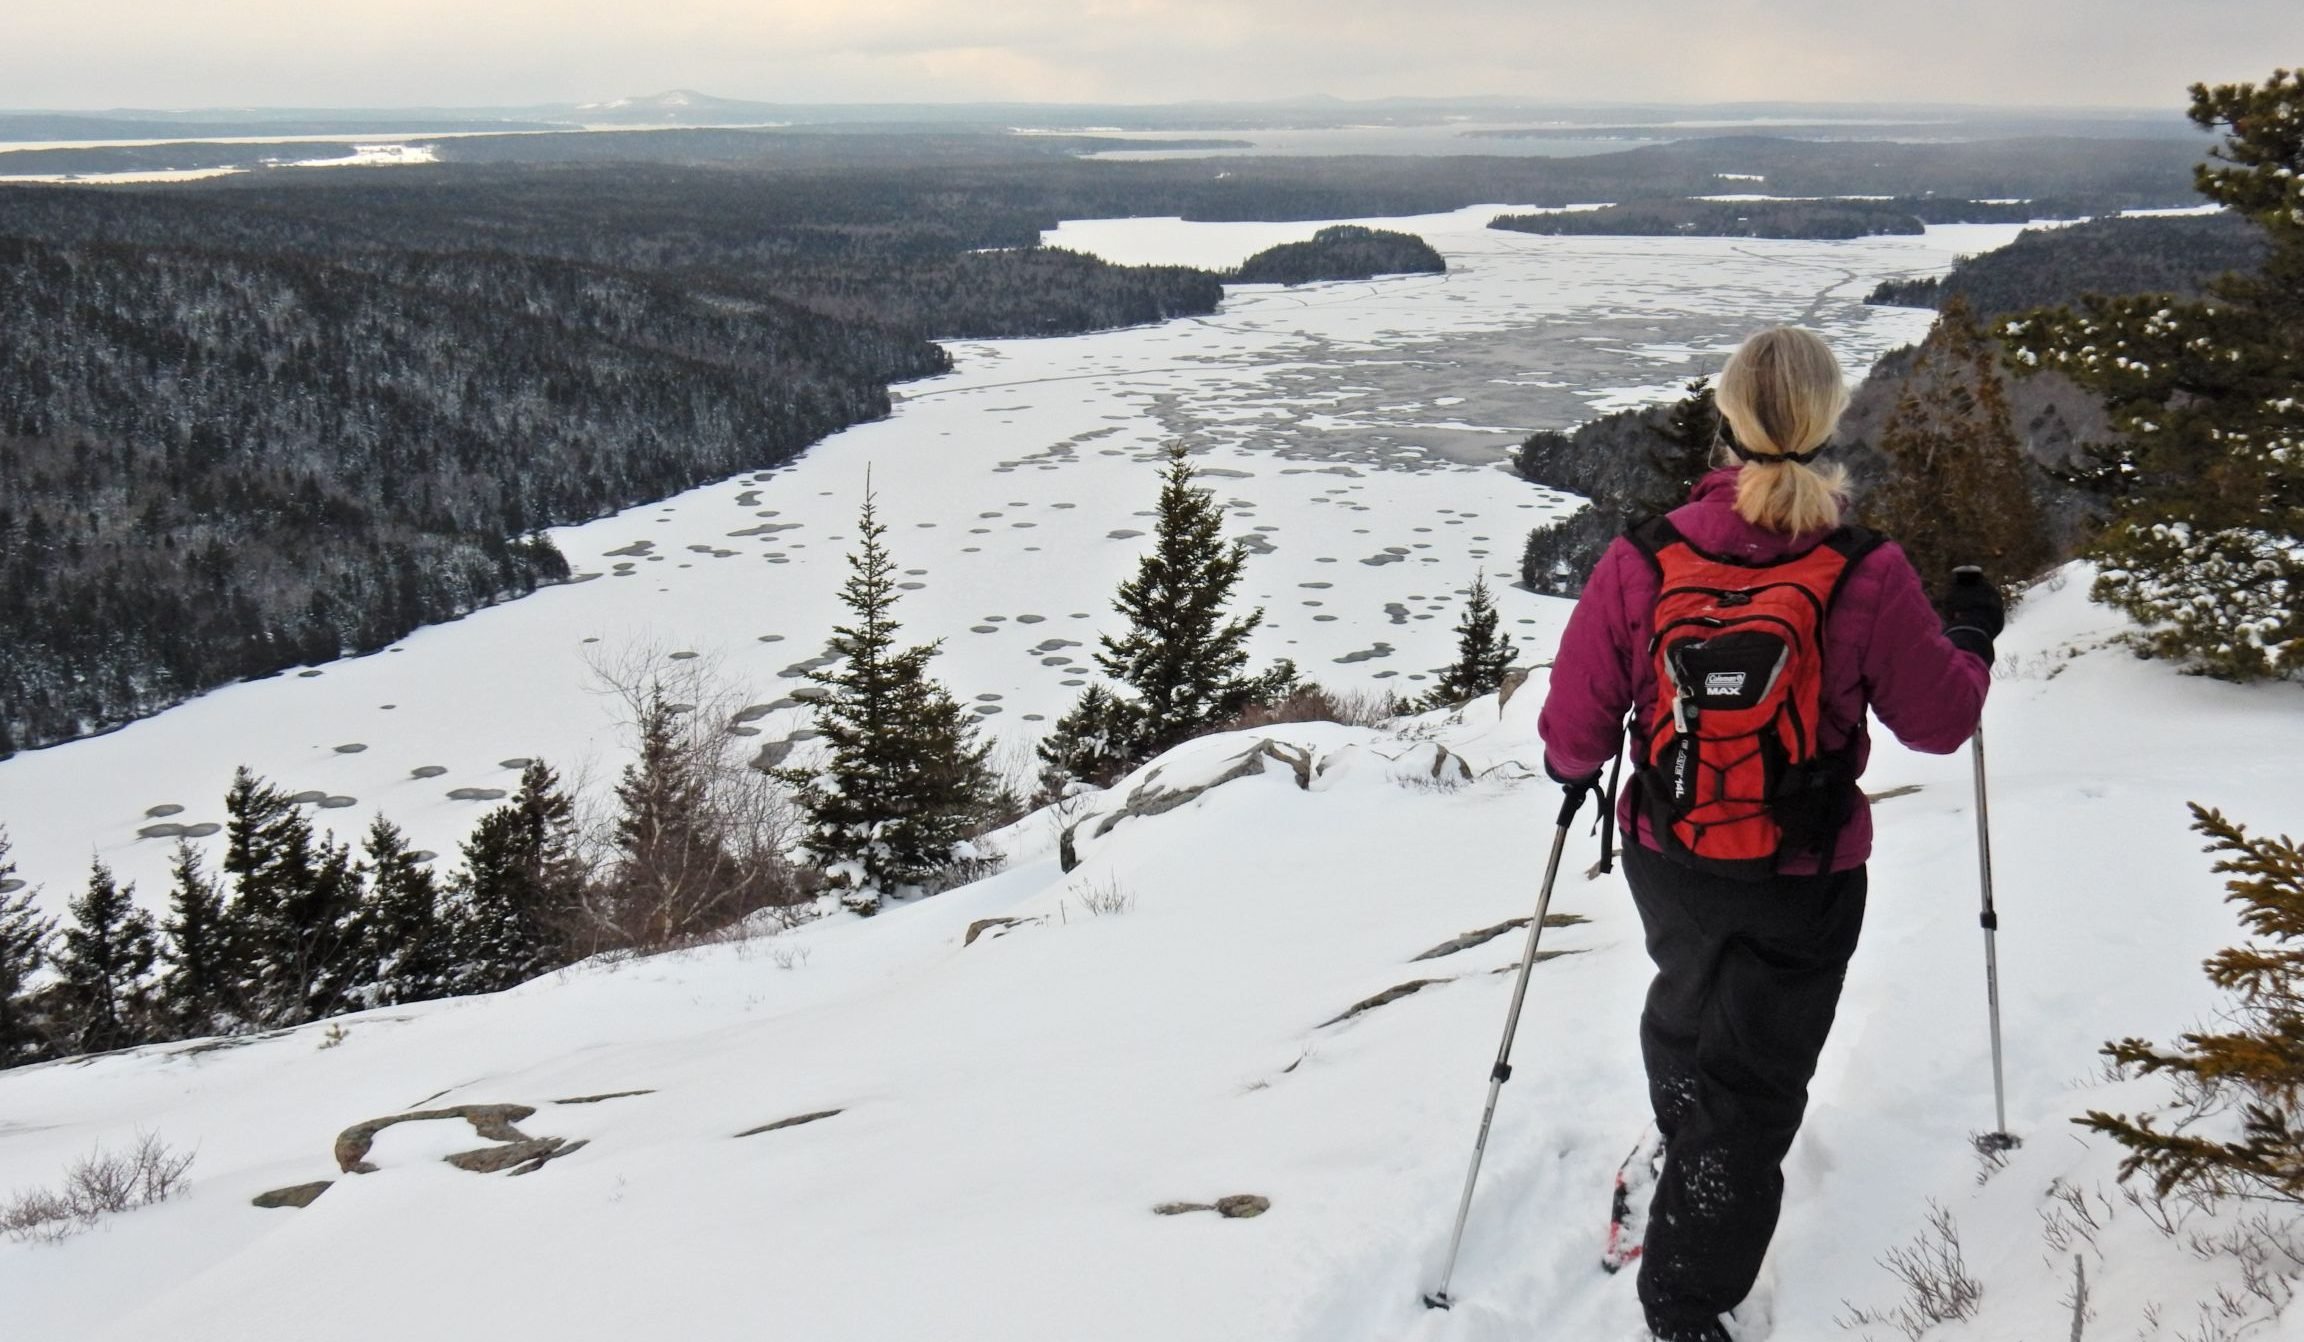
(1974, 614)
(1585, 783)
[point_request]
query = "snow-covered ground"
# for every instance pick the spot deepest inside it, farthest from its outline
(1355, 430)
(1011, 1111)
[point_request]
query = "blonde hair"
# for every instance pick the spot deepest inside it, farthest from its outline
(1782, 394)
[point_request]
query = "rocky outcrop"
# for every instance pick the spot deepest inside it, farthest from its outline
(514, 1150)
(295, 1195)
(1164, 788)
(793, 1122)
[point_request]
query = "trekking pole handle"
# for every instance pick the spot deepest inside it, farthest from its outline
(1571, 801)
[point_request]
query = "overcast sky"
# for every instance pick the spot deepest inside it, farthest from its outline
(170, 53)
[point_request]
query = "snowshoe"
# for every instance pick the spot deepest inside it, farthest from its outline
(1628, 1208)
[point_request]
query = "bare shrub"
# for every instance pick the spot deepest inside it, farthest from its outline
(1104, 896)
(1937, 1287)
(99, 1184)
(698, 840)
(1314, 703)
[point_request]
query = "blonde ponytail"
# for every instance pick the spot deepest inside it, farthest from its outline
(1782, 394)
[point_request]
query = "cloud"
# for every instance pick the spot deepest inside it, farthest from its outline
(288, 52)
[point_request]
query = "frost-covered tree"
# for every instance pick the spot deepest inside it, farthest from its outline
(1094, 742)
(104, 968)
(2206, 546)
(1483, 653)
(2251, 1071)
(24, 937)
(1958, 488)
(196, 993)
(904, 783)
(521, 888)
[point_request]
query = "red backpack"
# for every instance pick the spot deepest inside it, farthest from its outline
(1729, 773)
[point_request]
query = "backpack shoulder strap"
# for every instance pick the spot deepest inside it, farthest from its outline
(1852, 542)
(1651, 536)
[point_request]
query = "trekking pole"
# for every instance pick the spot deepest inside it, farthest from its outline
(1502, 1071)
(1999, 1139)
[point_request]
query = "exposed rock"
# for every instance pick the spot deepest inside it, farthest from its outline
(1391, 994)
(1153, 797)
(492, 1121)
(1237, 1207)
(793, 1122)
(611, 1095)
(295, 1195)
(1510, 685)
(1488, 934)
(523, 1157)
(995, 926)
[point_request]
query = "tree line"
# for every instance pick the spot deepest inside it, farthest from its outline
(293, 926)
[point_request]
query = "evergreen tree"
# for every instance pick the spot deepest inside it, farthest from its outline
(1691, 431)
(1182, 658)
(2258, 1061)
(400, 950)
(1094, 742)
(1483, 654)
(1958, 489)
(196, 994)
(521, 888)
(2206, 545)
(104, 965)
(672, 866)
(905, 783)
(24, 937)
(295, 898)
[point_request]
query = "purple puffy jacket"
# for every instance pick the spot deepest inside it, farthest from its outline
(1884, 648)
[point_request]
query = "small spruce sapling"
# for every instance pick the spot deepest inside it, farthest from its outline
(1483, 653)
(2259, 1061)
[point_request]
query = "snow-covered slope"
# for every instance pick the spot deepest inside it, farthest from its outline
(1010, 1111)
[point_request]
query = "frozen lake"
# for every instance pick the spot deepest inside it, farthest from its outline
(1354, 431)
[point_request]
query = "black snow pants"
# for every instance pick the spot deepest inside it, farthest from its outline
(1748, 976)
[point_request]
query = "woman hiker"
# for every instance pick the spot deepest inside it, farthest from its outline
(1746, 832)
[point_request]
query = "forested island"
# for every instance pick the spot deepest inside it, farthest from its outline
(2046, 267)
(1824, 220)
(1342, 252)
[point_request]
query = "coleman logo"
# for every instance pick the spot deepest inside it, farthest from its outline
(1723, 682)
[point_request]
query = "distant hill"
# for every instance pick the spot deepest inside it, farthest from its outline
(1343, 252)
